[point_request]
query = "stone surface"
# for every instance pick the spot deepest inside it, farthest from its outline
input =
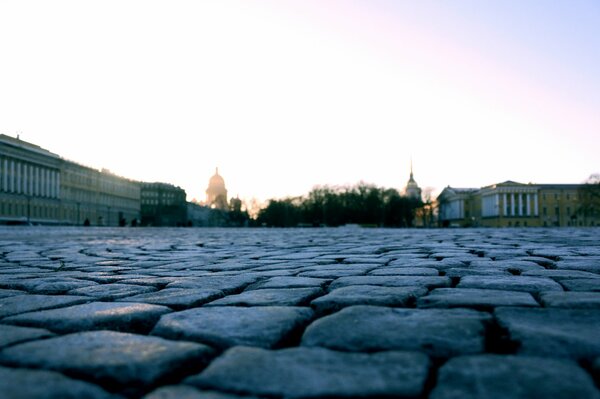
(93, 316)
(582, 284)
(437, 332)
(10, 335)
(512, 377)
(177, 298)
(571, 300)
(112, 291)
(28, 303)
(224, 326)
(270, 297)
(475, 298)
(316, 372)
(392, 281)
(366, 295)
(512, 283)
(188, 392)
(112, 358)
(365, 292)
(40, 384)
(553, 332)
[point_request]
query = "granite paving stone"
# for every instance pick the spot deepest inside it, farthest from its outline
(10, 335)
(366, 295)
(28, 303)
(189, 392)
(288, 313)
(571, 300)
(93, 316)
(582, 284)
(41, 384)
(225, 326)
(316, 372)
(553, 331)
(512, 377)
(437, 332)
(404, 271)
(392, 281)
(475, 298)
(114, 359)
(291, 282)
(112, 291)
(270, 297)
(512, 283)
(177, 298)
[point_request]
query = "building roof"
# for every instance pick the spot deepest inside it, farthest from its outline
(17, 142)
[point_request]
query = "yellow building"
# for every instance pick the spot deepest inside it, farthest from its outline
(512, 204)
(39, 187)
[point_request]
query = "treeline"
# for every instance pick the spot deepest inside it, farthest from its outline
(361, 204)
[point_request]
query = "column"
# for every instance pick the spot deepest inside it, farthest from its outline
(57, 184)
(12, 176)
(528, 204)
(18, 177)
(31, 177)
(52, 184)
(535, 204)
(497, 205)
(46, 183)
(36, 175)
(505, 200)
(512, 204)
(520, 204)
(5, 175)
(26, 179)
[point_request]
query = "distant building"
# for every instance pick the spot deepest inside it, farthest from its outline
(512, 204)
(198, 215)
(40, 187)
(412, 189)
(163, 204)
(459, 207)
(216, 193)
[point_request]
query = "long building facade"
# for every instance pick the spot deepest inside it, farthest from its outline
(512, 204)
(39, 187)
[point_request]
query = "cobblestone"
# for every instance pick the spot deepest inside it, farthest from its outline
(278, 313)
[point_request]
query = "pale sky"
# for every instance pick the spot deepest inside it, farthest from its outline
(284, 95)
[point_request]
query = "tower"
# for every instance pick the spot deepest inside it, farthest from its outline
(412, 189)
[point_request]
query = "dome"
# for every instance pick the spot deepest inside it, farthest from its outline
(216, 193)
(216, 180)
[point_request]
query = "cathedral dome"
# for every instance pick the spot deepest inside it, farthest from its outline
(216, 193)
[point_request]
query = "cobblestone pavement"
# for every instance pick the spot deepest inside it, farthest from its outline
(348, 312)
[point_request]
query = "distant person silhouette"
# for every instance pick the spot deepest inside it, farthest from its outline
(86, 222)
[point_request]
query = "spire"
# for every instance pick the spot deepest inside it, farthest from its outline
(411, 172)
(217, 170)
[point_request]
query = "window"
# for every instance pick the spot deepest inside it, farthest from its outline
(544, 211)
(556, 211)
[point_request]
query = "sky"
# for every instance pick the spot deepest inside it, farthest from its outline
(285, 95)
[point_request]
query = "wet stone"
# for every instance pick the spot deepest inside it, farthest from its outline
(366, 295)
(41, 384)
(512, 377)
(552, 331)
(188, 392)
(10, 335)
(119, 360)
(581, 284)
(112, 291)
(270, 297)
(93, 316)
(437, 332)
(224, 326)
(462, 272)
(571, 300)
(315, 372)
(28, 303)
(474, 298)
(176, 298)
(513, 283)
(392, 281)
